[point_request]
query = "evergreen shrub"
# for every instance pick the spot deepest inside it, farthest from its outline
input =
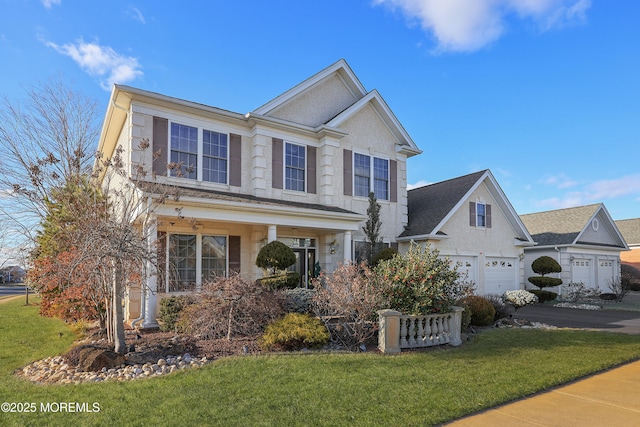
(482, 311)
(294, 331)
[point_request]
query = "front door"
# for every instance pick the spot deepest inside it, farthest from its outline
(305, 265)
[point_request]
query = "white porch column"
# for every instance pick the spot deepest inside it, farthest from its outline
(150, 291)
(272, 234)
(347, 246)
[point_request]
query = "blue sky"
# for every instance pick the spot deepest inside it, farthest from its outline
(545, 93)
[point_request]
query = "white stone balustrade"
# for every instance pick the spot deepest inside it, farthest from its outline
(397, 331)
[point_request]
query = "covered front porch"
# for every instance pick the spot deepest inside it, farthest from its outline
(206, 238)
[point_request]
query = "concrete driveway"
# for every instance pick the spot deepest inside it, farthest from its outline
(607, 320)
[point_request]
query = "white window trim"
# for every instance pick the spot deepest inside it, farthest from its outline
(284, 168)
(198, 258)
(200, 145)
(478, 203)
(371, 174)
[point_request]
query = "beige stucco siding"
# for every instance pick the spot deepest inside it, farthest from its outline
(318, 104)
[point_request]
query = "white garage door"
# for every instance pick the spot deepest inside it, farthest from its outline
(605, 274)
(581, 269)
(465, 265)
(500, 276)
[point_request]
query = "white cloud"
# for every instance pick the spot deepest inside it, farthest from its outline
(614, 188)
(420, 183)
(596, 192)
(136, 14)
(50, 3)
(560, 181)
(101, 61)
(469, 25)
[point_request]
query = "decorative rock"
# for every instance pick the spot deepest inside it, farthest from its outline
(56, 370)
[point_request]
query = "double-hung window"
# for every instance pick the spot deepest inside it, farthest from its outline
(214, 257)
(182, 262)
(184, 150)
(294, 167)
(214, 156)
(194, 259)
(481, 215)
(370, 174)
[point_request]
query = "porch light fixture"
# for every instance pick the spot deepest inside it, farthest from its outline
(332, 247)
(571, 258)
(521, 256)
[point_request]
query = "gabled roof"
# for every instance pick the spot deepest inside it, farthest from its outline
(359, 94)
(568, 227)
(431, 206)
(630, 230)
(340, 67)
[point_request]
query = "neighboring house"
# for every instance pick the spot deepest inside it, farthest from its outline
(12, 274)
(470, 220)
(584, 240)
(630, 230)
(298, 169)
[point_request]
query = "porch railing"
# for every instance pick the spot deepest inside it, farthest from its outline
(397, 331)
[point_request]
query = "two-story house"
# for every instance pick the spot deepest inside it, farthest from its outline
(298, 169)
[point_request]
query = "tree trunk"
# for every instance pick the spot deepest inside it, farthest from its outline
(118, 312)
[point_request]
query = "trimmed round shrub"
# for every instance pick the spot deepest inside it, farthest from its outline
(545, 265)
(544, 282)
(275, 256)
(482, 311)
(294, 332)
(543, 295)
(284, 280)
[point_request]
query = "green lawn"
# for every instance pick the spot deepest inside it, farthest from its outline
(422, 388)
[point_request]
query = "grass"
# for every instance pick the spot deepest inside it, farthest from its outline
(420, 388)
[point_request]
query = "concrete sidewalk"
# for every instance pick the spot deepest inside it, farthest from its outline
(611, 398)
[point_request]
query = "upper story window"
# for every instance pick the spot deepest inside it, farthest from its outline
(184, 150)
(214, 156)
(294, 167)
(370, 173)
(481, 215)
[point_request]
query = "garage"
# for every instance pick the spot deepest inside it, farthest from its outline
(500, 275)
(605, 274)
(465, 264)
(581, 269)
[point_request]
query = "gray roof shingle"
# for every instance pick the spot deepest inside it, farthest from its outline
(430, 204)
(559, 227)
(630, 230)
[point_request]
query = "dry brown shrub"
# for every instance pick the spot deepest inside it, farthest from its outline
(231, 307)
(347, 301)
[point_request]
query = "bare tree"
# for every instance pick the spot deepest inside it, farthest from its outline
(47, 144)
(46, 139)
